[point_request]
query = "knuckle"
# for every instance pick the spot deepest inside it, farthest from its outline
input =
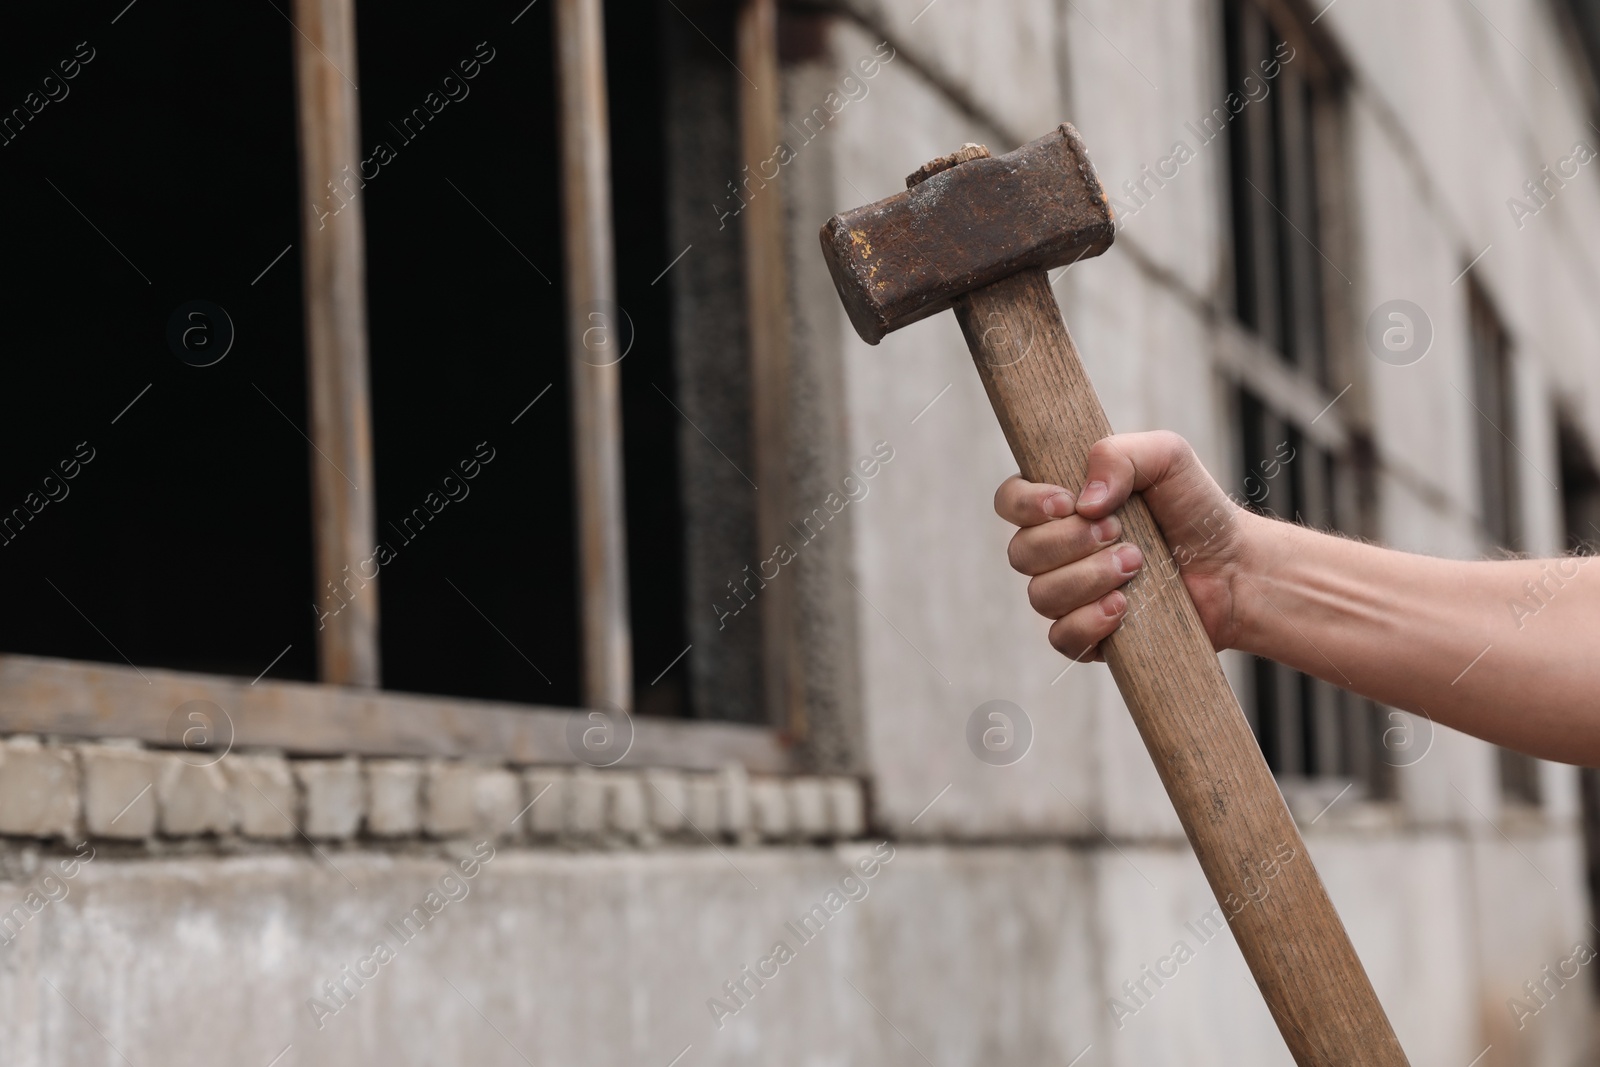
(1066, 642)
(1108, 569)
(1002, 497)
(1175, 445)
(1067, 541)
(1107, 625)
(1037, 595)
(1017, 553)
(1085, 543)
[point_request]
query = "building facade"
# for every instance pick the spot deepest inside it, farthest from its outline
(868, 815)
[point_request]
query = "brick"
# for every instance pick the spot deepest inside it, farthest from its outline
(447, 798)
(666, 797)
(496, 799)
(733, 801)
(847, 809)
(769, 809)
(262, 795)
(119, 799)
(192, 798)
(547, 792)
(625, 806)
(463, 798)
(808, 806)
(394, 797)
(703, 808)
(586, 804)
(38, 789)
(334, 796)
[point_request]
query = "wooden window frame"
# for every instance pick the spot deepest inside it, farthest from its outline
(338, 396)
(72, 698)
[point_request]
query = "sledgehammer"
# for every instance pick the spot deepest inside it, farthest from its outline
(977, 233)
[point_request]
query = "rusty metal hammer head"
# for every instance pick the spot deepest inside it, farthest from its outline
(966, 220)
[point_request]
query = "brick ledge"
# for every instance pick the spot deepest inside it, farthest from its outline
(120, 790)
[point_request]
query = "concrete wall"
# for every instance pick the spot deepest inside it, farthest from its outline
(1455, 899)
(972, 954)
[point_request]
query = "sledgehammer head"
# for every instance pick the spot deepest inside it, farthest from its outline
(964, 221)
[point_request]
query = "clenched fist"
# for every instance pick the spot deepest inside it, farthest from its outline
(1070, 543)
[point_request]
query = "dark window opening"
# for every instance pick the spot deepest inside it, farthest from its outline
(466, 317)
(652, 426)
(1580, 491)
(1273, 194)
(1246, 299)
(1580, 519)
(149, 165)
(1495, 424)
(158, 511)
(467, 312)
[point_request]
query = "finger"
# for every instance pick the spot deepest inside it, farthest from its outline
(1037, 549)
(1025, 503)
(1065, 589)
(1078, 634)
(1126, 462)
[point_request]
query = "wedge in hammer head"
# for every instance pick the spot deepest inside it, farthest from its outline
(965, 221)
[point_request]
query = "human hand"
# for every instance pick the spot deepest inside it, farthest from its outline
(1070, 543)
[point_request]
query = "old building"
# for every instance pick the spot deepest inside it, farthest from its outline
(473, 598)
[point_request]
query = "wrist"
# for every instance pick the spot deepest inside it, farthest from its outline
(1265, 546)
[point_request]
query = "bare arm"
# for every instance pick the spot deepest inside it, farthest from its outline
(1508, 651)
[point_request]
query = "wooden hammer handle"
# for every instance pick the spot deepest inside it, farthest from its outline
(1163, 663)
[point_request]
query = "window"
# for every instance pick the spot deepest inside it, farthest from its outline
(413, 451)
(155, 512)
(1499, 510)
(465, 289)
(1579, 21)
(1283, 93)
(1301, 456)
(1307, 728)
(1498, 486)
(1580, 490)
(1580, 519)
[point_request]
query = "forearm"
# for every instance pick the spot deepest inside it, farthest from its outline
(1465, 642)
